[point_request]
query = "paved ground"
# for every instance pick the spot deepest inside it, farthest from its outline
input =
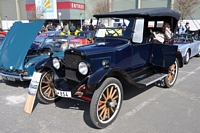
(146, 110)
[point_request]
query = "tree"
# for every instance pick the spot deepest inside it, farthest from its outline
(185, 7)
(102, 6)
(37, 13)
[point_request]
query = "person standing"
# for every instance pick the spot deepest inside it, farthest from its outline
(72, 29)
(66, 29)
(187, 27)
(91, 27)
(58, 28)
(181, 28)
(84, 27)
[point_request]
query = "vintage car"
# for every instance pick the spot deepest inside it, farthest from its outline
(97, 73)
(83, 37)
(188, 46)
(18, 59)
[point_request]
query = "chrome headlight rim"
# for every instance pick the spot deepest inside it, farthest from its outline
(83, 67)
(56, 63)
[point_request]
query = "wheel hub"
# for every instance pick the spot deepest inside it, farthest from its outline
(110, 103)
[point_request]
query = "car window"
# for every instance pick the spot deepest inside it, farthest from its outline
(114, 27)
(138, 31)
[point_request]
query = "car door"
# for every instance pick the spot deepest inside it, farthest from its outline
(163, 55)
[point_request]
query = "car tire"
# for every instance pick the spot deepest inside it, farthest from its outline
(187, 57)
(110, 93)
(46, 93)
(198, 54)
(171, 78)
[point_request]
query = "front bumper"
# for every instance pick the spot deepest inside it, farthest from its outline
(12, 77)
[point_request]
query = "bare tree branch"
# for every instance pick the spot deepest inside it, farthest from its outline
(37, 14)
(102, 6)
(186, 7)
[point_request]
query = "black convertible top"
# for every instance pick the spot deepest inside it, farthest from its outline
(152, 12)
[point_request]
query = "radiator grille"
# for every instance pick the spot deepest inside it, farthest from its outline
(71, 63)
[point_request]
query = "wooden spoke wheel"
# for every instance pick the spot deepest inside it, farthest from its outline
(46, 93)
(172, 75)
(106, 103)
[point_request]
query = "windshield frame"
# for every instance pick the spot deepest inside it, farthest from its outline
(116, 32)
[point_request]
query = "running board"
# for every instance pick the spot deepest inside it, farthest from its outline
(152, 79)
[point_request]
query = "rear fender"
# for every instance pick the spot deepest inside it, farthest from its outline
(96, 79)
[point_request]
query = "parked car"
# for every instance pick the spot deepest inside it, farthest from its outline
(97, 73)
(83, 37)
(40, 38)
(188, 46)
(17, 59)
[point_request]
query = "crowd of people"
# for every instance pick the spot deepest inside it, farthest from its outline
(68, 29)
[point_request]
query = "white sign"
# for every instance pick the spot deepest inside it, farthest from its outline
(33, 86)
(46, 9)
(101, 33)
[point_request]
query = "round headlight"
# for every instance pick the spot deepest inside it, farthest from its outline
(56, 63)
(82, 68)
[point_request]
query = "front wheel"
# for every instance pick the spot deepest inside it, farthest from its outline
(46, 93)
(106, 103)
(172, 75)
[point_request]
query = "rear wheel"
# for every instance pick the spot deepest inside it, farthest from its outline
(187, 58)
(172, 75)
(106, 103)
(46, 93)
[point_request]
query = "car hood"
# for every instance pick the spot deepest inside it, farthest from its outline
(17, 43)
(103, 47)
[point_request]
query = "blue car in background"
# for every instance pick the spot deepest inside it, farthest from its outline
(188, 46)
(40, 38)
(18, 60)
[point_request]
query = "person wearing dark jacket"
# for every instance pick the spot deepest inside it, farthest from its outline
(91, 27)
(84, 27)
(187, 27)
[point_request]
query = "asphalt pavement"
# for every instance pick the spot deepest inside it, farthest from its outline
(144, 110)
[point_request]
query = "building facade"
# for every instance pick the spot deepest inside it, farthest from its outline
(68, 10)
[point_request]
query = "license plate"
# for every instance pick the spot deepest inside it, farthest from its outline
(63, 93)
(8, 78)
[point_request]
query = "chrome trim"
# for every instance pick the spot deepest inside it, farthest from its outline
(18, 77)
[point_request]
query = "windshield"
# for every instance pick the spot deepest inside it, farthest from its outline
(114, 27)
(58, 43)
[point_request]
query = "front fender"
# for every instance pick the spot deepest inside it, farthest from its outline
(44, 63)
(96, 79)
(47, 64)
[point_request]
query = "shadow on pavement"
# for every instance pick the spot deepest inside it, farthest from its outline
(23, 84)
